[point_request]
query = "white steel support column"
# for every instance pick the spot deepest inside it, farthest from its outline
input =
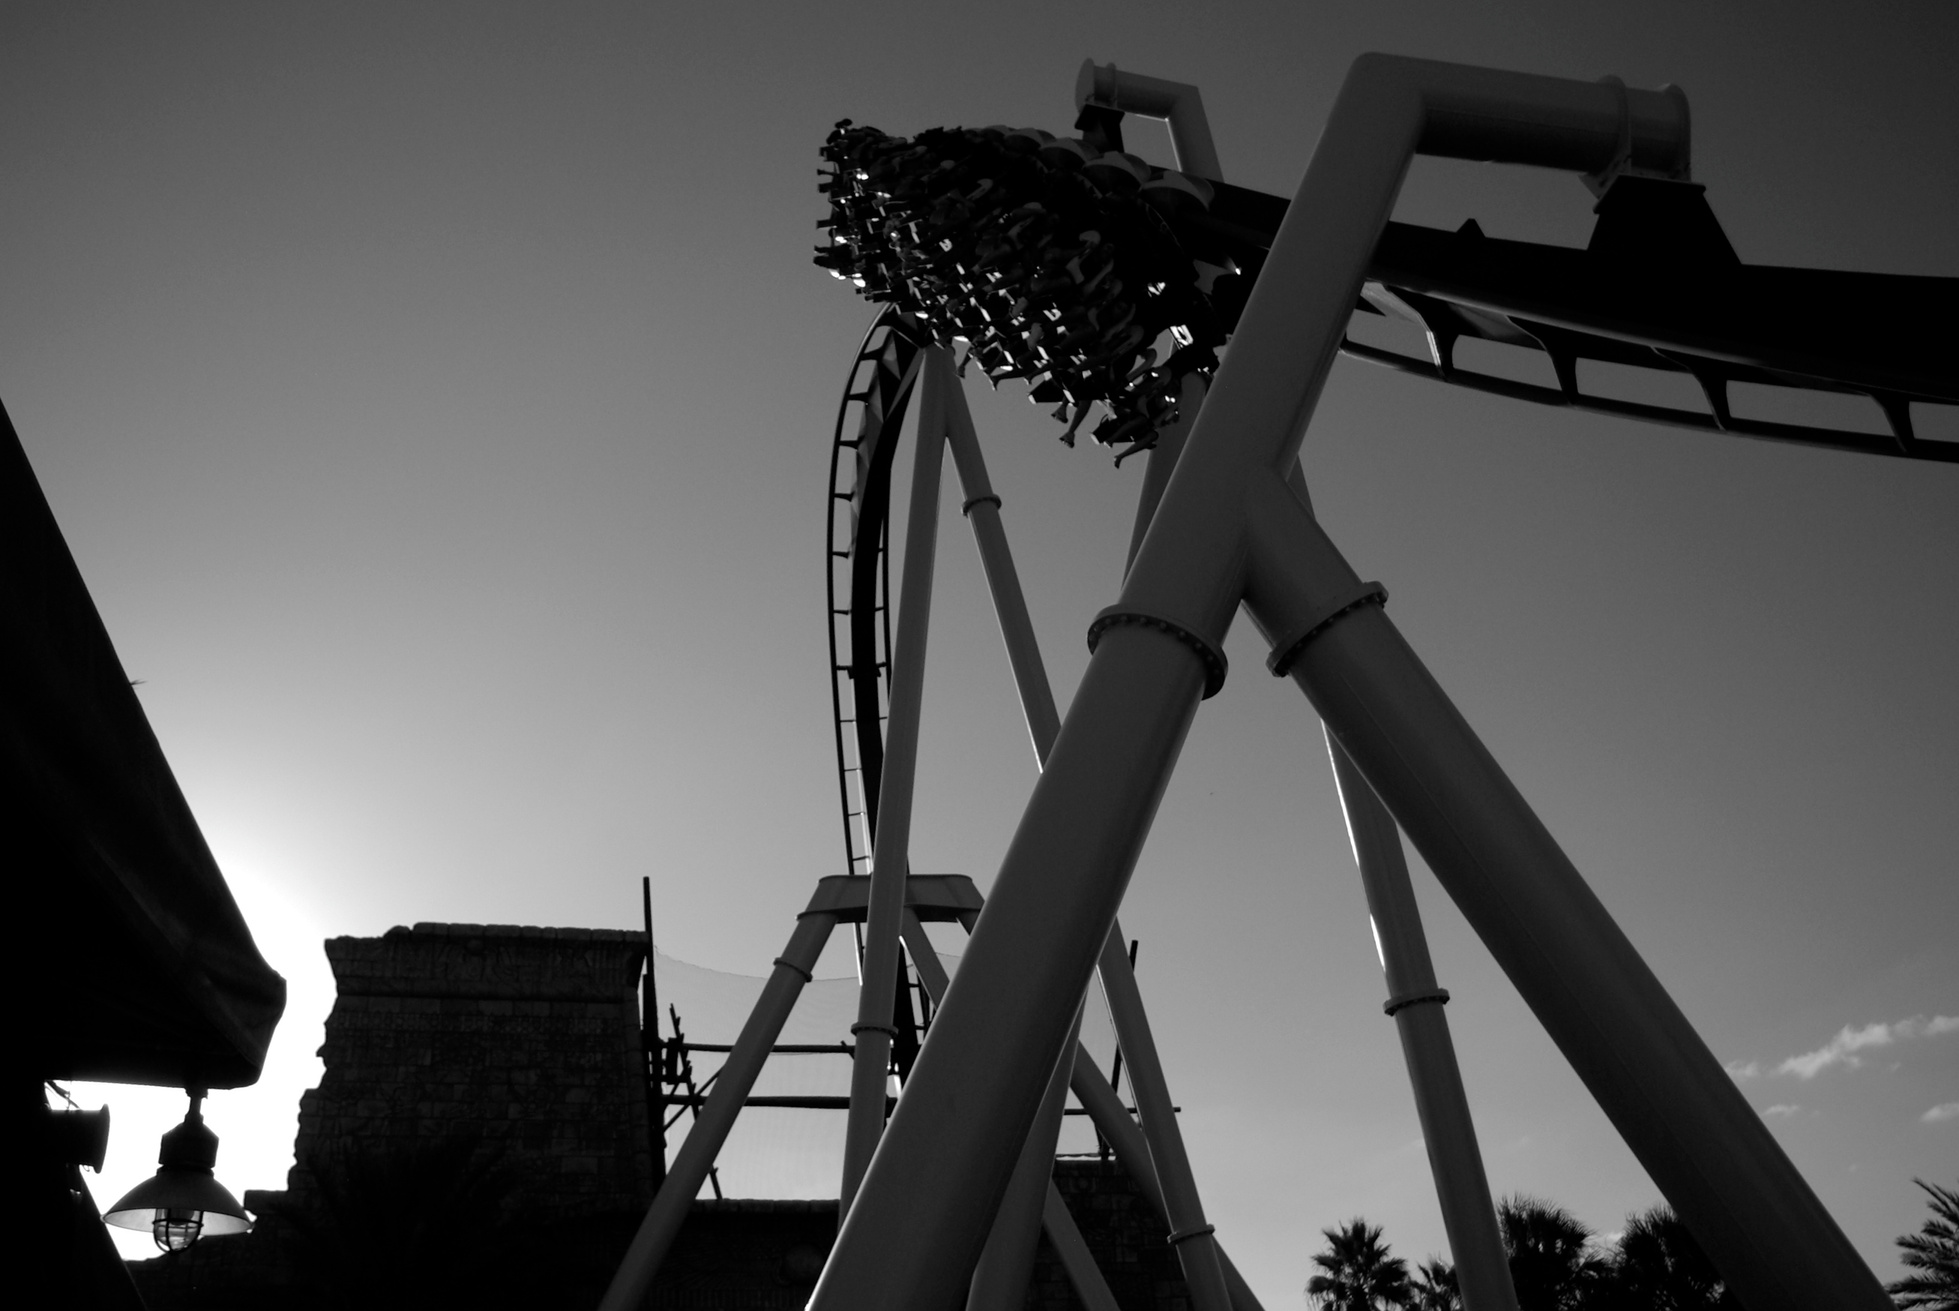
(930, 1195)
(1669, 1098)
(1160, 462)
(982, 511)
(1177, 103)
(1194, 1238)
(890, 852)
(1415, 1000)
(1183, 1207)
(1076, 1259)
(1105, 1109)
(634, 1279)
(1006, 1263)
(1054, 1215)
(1191, 1235)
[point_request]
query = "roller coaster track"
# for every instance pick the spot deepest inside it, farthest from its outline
(1658, 288)
(877, 394)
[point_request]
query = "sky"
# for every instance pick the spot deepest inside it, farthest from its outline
(437, 400)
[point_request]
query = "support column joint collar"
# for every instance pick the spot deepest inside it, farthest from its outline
(1286, 650)
(1440, 996)
(1215, 665)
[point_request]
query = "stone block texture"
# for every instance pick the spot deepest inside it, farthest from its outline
(525, 1042)
(525, 1038)
(1128, 1239)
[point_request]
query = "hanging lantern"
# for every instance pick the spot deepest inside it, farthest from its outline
(182, 1202)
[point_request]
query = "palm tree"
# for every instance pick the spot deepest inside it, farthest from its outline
(1435, 1287)
(1359, 1273)
(1660, 1267)
(1551, 1262)
(1934, 1252)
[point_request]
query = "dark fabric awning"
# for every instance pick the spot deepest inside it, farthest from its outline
(133, 962)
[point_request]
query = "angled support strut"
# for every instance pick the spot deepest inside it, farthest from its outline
(1206, 1272)
(881, 964)
(1222, 536)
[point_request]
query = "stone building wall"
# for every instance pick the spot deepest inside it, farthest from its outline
(526, 1041)
(527, 1038)
(522, 1041)
(1128, 1239)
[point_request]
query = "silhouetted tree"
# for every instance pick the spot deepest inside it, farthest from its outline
(1660, 1267)
(1933, 1252)
(1434, 1287)
(1358, 1274)
(1551, 1261)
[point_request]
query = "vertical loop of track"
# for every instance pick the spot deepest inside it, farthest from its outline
(857, 567)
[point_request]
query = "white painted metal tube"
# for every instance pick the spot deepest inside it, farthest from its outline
(1161, 461)
(1076, 1259)
(1415, 1001)
(924, 957)
(1196, 1247)
(908, 1242)
(1671, 1100)
(1270, 381)
(1006, 1263)
(932, 1190)
(1524, 118)
(1190, 1234)
(634, 1279)
(1206, 1269)
(1001, 1276)
(1104, 1106)
(1183, 1208)
(1060, 1225)
(1177, 103)
(1002, 579)
(891, 847)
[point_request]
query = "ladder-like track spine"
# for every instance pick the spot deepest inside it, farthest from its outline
(857, 566)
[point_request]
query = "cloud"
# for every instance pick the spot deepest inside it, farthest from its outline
(1842, 1049)
(1739, 1070)
(1780, 1111)
(1943, 1111)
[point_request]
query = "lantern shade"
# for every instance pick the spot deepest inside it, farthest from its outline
(182, 1202)
(181, 1192)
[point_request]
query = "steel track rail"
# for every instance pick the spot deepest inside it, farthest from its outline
(1659, 289)
(877, 393)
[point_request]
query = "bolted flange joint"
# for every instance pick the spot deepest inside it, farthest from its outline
(1440, 996)
(1286, 650)
(1215, 666)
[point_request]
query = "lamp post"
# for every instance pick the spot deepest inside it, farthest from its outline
(182, 1202)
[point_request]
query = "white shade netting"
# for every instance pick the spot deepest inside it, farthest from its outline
(789, 1152)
